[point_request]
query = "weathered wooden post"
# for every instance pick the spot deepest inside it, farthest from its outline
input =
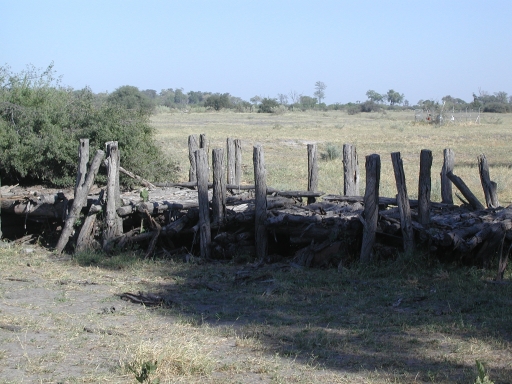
(403, 202)
(350, 171)
(193, 146)
(489, 187)
(219, 187)
(113, 223)
(466, 192)
(83, 159)
(230, 146)
(238, 161)
(260, 183)
(424, 187)
(371, 207)
(79, 201)
(312, 171)
(446, 184)
(205, 144)
(204, 210)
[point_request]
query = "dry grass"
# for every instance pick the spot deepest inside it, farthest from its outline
(284, 138)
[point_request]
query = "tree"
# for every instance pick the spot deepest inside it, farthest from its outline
(218, 101)
(130, 97)
(374, 96)
(319, 93)
(283, 99)
(268, 105)
(255, 100)
(294, 96)
(307, 102)
(394, 97)
(180, 97)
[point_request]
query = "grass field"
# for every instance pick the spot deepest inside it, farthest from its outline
(284, 138)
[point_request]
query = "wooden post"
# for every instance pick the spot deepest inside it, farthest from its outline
(312, 171)
(230, 146)
(193, 146)
(350, 171)
(238, 161)
(113, 223)
(489, 187)
(219, 187)
(79, 201)
(83, 159)
(260, 183)
(403, 202)
(424, 187)
(446, 184)
(204, 144)
(371, 207)
(204, 209)
(466, 192)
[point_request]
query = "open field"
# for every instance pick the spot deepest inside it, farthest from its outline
(284, 138)
(406, 321)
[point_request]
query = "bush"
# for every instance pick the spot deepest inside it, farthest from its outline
(370, 106)
(332, 152)
(218, 101)
(41, 123)
(497, 107)
(130, 97)
(354, 109)
(268, 105)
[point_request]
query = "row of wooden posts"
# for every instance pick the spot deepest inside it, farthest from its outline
(199, 167)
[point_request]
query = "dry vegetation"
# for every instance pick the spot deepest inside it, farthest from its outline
(409, 320)
(284, 138)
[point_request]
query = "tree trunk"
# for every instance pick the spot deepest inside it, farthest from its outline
(312, 171)
(260, 181)
(219, 187)
(466, 192)
(489, 187)
(424, 187)
(446, 184)
(371, 207)
(403, 202)
(79, 201)
(350, 171)
(193, 146)
(204, 210)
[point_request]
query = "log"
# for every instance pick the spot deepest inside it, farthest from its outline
(403, 203)
(489, 187)
(85, 238)
(384, 201)
(312, 171)
(424, 187)
(43, 206)
(193, 146)
(204, 210)
(466, 192)
(219, 187)
(446, 184)
(260, 182)
(144, 182)
(78, 202)
(371, 207)
(350, 171)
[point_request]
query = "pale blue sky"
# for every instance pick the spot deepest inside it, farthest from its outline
(424, 49)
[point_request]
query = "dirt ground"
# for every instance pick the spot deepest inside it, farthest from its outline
(62, 320)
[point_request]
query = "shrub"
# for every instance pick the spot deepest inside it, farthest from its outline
(268, 105)
(354, 109)
(218, 101)
(370, 106)
(41, 123)
(332, 152)
(497, 107)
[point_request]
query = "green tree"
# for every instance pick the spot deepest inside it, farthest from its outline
(394, 97)
(218, 101)
(320, 91)
(130, 97)
(41, 123)
(307, 102)
(267, 105)
(374, 96)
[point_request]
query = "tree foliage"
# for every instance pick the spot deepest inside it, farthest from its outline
(41, 123)
(394, 97)
(218, 101)
(320, 91)
(131, 98)
(374, 96)
(268, 105)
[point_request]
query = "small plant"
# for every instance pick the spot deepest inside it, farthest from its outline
(482, 378)
(143, 376)
(332, 152)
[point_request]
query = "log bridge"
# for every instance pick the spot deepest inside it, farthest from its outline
(224, 219)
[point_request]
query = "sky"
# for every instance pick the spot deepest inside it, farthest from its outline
(423, 49)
